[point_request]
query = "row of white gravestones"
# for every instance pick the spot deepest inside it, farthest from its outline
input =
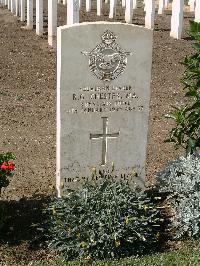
(178, 16)
(73, 11)
(177, 12)
(192, 3)
(103, 105)
(176, 19)
(18, 7)
(24, 8)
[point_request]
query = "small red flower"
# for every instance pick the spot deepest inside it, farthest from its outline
(8, 166)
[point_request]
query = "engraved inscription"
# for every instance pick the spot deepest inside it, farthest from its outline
(99, 99)
(107, 60)
(97, 173)
(104, 136)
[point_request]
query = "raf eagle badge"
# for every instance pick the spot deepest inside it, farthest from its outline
(107, 60)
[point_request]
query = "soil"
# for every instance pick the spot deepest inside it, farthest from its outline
(28, 117)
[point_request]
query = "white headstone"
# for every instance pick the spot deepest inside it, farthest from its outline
(99, 7)
(150, 14)
(197, 11)
(166, 3)
(192, 5)
(161, 7)
(52, 21)
(9, 4)
(177, 19)
(23, 17)
(103, 93)
(16, 7)
(129, 11)
(72, 12)
(12, 6)
(134, 4)
(39, 17)
(88, 5)
(112, 8)
(30, 14)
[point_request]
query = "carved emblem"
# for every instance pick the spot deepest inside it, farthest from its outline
(107, 60)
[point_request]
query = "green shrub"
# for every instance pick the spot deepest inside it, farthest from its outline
(186, 132)
(181, 180)
(109, 219)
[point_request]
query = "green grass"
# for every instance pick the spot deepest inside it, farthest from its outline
(189, 255)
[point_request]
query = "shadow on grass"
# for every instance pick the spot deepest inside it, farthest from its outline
(22, 215)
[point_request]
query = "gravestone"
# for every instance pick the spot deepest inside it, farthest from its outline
(161, 7)
(30, 14)
(112, 12)
(177, 19)
(39, 17)
(52, 22)
(150, 14)
(197, 11)
(129, 11)
(103, 93)
(23, 14)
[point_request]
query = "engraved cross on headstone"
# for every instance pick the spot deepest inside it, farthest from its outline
(104, 136)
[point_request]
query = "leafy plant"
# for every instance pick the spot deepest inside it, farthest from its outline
(108, 219)
(6, 170)
(186, 133)
(181, 180)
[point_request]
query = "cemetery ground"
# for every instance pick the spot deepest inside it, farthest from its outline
(28, 123)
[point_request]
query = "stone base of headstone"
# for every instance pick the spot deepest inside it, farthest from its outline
(52, 41)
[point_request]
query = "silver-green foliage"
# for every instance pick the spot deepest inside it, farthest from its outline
(181, 179)
(109, 219)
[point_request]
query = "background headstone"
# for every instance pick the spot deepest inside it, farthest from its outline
(30, 14)
(112, 12)
(129, 11)
(72, 11)
(150, 14)
(177, 19)
(197, 11)
(52, 21)
(23, 14)
(39, 17)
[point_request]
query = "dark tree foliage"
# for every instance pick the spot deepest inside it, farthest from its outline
(186, 132)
